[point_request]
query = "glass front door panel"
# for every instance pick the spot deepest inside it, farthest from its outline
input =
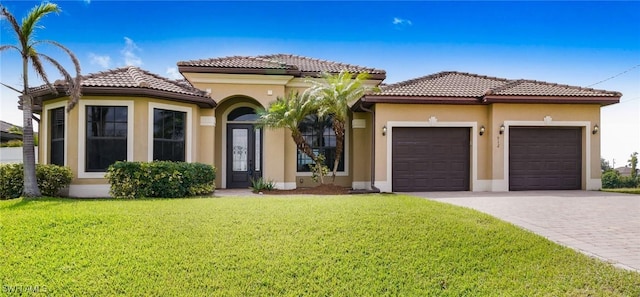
(240, 149)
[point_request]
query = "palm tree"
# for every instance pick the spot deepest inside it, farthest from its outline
(335, 93)
(25, 33)
(289, 112)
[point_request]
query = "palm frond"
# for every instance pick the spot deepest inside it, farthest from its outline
(30, 21)
(6, 47)
(39, 69)
(14, 23)
(12, 88)
(75, 85)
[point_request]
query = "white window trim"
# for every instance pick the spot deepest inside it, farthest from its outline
(591, 184)
(188, 126)
(386, 186)
(82, 128)
(345, 149)
(44, 141)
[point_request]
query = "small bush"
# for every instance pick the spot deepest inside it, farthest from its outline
(160, 179)
(260, 184)
(51, 179)
(610, 179)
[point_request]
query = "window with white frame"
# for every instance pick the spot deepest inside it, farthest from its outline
(169, 135)
(106, 136)
(56, 136)
(319, 134)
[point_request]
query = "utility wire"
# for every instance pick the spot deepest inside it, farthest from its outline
(610, 78)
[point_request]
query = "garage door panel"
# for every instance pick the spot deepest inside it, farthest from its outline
(438, 159)
(545, 158)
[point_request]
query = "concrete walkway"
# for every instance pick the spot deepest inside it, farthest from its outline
(599, 224)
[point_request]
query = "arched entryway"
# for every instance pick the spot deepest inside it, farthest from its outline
(243, 147)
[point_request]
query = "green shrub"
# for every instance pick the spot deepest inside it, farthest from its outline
(51, 179)
(610, 179)
(160, 179)
(12, 143)
(260, 184)
(613, 180)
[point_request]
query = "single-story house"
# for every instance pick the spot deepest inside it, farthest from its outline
(449, 131)
(5, 134)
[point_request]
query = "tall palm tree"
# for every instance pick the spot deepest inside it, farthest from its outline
(290, 112)
(25, 34)
(335, 93)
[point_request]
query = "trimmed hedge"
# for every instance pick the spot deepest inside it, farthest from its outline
(51, 179)
(163, 179)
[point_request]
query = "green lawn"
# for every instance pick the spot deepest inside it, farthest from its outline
(270, 246)
(624, 190)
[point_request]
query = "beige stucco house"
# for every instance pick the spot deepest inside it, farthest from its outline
(449, 131)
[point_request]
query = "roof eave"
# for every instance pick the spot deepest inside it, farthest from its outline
(203, 102)
(602, 100)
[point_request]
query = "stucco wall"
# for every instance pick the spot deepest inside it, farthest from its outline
(490, 147)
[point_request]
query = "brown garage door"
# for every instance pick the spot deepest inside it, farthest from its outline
(545, 158)
(430, 159)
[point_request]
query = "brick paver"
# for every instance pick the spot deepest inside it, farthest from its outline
(600, 224)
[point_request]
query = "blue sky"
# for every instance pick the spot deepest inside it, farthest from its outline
(576, 43)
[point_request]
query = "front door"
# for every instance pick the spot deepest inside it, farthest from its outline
(244, 155)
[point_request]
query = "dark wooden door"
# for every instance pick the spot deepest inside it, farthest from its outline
(430, 159)
(545, 158)
(244, 155)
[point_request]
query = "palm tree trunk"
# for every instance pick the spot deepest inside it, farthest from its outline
(338, 129)
(304, 147)
(29, 158)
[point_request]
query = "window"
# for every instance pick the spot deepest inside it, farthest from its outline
(106, 136)
(168, 135)
(318, 133)
(56, 136)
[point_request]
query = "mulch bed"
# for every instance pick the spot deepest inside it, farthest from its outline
(325, 189)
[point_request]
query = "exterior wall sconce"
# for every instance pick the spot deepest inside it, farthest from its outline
(595, 129)
(482, 130)
(502, 129)
(384, 130)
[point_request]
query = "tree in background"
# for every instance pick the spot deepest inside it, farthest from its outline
(604, 165)
(633, 163)
(25, 34)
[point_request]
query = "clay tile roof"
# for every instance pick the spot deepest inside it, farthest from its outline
(539, 88)
(136, 82)
(134, 77)
(466, 88)
(237, 62)
(444, 84)
(285, 63)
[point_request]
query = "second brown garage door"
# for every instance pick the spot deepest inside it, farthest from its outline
(430, 159)
(545, 158)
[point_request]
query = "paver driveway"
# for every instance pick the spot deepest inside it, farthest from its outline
(600, 224)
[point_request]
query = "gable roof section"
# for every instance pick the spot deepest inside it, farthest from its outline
(453, 87)
(277, 64)
(132, 81)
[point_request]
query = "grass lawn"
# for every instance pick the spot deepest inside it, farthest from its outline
(624, 190)
(366, 245)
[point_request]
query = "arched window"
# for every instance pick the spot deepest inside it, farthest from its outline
(242, 114)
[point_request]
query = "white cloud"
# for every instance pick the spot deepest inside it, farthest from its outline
(401, 23)
(173, 73)
(129, 53)
(102, 61)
